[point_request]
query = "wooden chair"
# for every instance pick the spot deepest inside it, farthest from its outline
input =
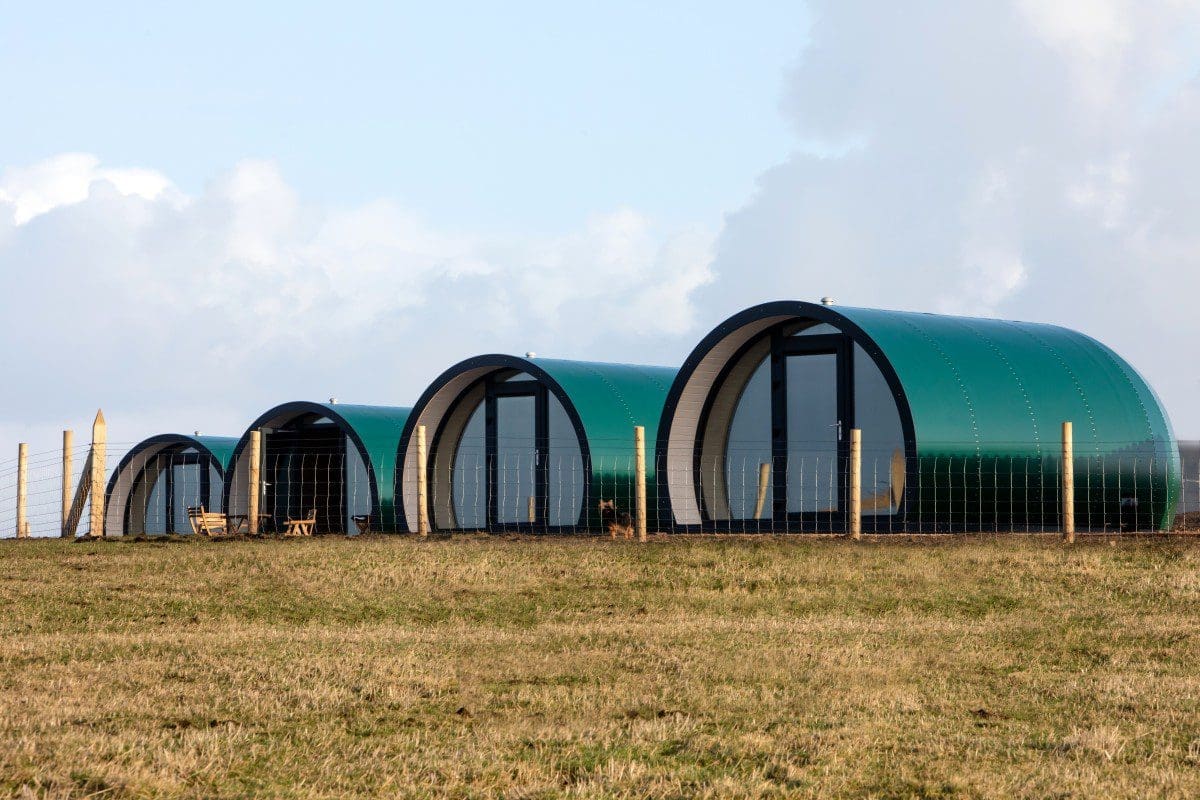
(208, 523)
(302, 527)
(362, 522)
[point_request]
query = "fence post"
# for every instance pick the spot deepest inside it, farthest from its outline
(68, 445)
(855, 483)
(532, 509)
(422, 485)
(22, 489)
(254, 483)
(99, 451)
(639, 476)
(1068, 483)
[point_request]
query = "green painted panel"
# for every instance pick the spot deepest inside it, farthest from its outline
(378, 430)
(988, 398)
(221, 447)
(611, 399)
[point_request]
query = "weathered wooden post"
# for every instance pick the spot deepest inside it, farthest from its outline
(532, 509)
(22, 489)
(68, 445)
(1068, 483)
(639, 467)
(99, 452)
(855, 483)
(422, 485)
(764, 477)
(254, 483)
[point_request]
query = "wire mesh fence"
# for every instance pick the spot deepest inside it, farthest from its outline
(565, 484)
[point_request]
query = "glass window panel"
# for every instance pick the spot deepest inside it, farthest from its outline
(812, 433)
(469, 480)
(516, 457)
(358, 486)
(817, 329)
(876, 415)
(749, 447)
(216, 488)
(156, 505)
(565, 476)
(186, 485)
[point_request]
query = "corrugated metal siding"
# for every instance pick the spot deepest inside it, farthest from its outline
(610, 400)
(998, 391)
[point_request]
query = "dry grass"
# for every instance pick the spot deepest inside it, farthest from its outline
(479, 667)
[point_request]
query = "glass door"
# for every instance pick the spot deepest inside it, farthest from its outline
(811, 417)
(813, 435)
(518, 451)
(516, 462)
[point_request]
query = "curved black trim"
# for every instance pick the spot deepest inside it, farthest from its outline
(497, 361)
(782, 308)
(164, 439)
(293, 410)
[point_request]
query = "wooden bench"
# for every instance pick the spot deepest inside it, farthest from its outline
(302, 527)
(208, 523)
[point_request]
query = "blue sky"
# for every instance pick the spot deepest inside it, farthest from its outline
(492, 116)
(317, 202)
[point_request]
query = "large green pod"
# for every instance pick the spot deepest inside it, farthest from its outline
(160, 477)
(522, 443)
(961, 421)
(337, 459)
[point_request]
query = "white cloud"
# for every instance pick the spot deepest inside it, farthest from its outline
(127, 293)
(69, 178)
(1024, 159)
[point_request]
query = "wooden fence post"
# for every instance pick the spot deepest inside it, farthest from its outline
(639, 465)
(22, 489)
(68, 445)
(532, 509)
(1068, 483)
(855, 483)
(254, 482)
(764, 478)
(422, 485)
(99, 451)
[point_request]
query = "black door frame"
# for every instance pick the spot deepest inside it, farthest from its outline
(782, 348)
(494, 389)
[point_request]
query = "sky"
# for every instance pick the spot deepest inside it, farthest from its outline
(207, 211)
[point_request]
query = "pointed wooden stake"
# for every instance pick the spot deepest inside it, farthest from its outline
(254, 488)
(99, 451)
(68, 445)
(422, 484)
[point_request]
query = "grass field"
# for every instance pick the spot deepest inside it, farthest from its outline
(483, 667)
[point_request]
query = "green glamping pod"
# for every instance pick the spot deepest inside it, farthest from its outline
(332, 458)
(531, 444)
(156, 482)
(960, 419)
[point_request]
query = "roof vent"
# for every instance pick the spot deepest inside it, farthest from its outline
(531, 354)
(333, 401)
(826, 301)
(195, 433)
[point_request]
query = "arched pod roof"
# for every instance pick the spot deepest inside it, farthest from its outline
(604, 402)
(374, 430)
(218, 448)
(965, 387)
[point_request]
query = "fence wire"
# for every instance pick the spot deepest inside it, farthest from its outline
(561, 485)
